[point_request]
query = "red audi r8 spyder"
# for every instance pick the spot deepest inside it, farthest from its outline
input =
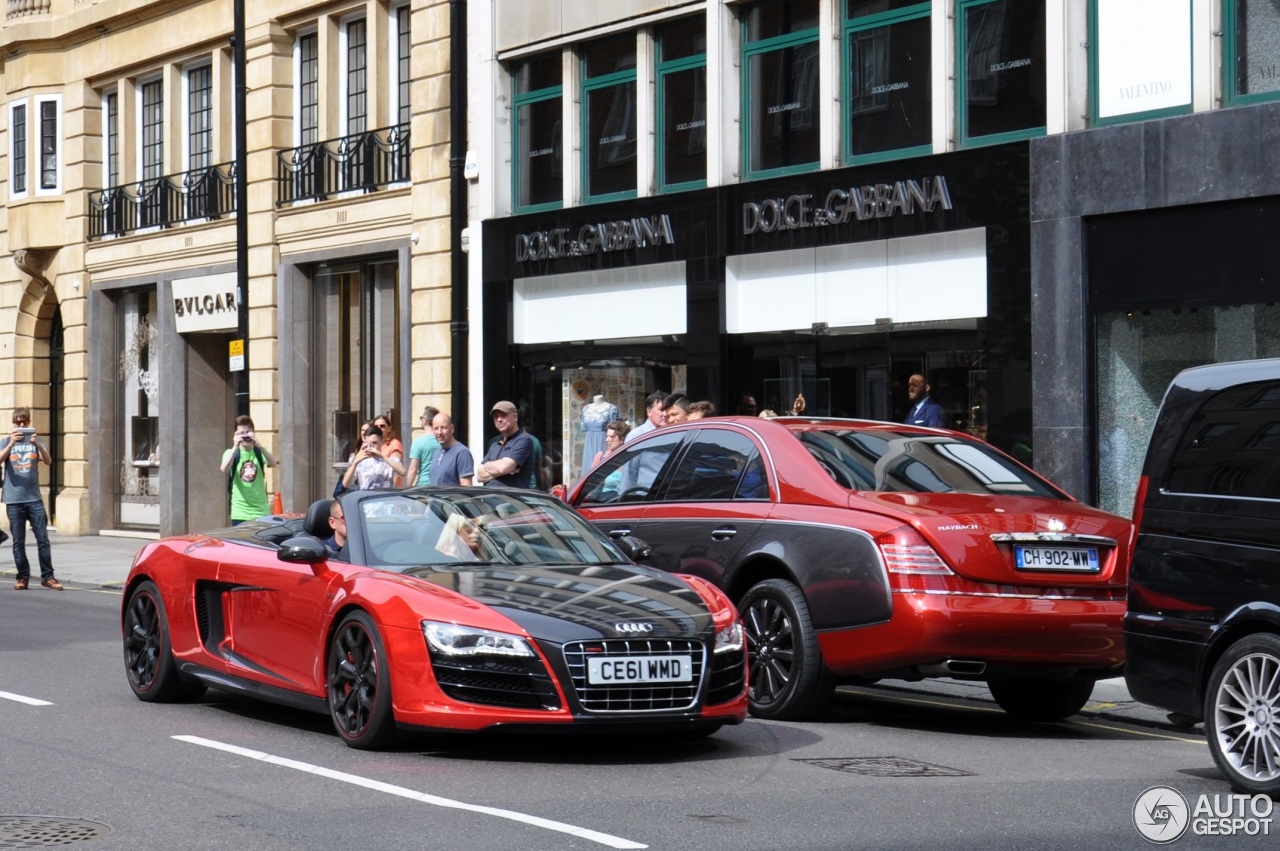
(448, 609)
(860, 550)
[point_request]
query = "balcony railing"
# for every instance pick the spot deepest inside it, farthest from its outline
(361, 163)
(206, 193)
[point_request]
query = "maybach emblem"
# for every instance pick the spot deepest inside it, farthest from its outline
(635, 627)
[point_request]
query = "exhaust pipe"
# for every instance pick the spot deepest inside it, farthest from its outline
(955, 668)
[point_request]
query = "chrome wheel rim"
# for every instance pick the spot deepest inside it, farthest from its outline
(142, 641)
(353, 679)
(770, 650)
(1247, 717)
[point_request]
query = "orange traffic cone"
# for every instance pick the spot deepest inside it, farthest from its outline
(277, 507)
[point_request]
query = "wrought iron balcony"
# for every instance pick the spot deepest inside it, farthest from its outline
(206, 193)
(364, 162)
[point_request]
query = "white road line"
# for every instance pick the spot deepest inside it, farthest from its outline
(21, 698)
(378, 786)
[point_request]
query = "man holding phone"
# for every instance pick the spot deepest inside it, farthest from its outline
(245, 466)
(22, 453)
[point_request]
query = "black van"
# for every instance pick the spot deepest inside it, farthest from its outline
(1202, 632)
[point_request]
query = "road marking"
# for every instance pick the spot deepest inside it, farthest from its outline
(30, 701)
(434, 800)
(1172, 738)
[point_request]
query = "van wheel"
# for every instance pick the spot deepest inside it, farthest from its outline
(1032, 699)
(1242, 714)
(788, 679)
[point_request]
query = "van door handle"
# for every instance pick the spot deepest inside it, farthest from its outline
(724, 533)
(620, 532)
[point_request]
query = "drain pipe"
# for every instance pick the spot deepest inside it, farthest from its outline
(459, 329)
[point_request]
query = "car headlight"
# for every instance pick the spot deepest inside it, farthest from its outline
(729, 638)
(451, 639)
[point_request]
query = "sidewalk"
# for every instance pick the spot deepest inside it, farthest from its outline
(101, 562)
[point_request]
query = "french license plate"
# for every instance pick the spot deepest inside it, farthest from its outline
(618, 670)
(1057, 558)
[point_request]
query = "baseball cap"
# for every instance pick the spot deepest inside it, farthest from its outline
(504, 406)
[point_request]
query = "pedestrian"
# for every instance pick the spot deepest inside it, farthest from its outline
(655, 414)
(452, 464)
(675, 409)
(369, 469)
(701, 410)
(509, 458)
(337, 542)
(22, 453)
(747, 406)
(244, 465)
(423, 451)
(924, 411)
(615, 435)
(391, 444)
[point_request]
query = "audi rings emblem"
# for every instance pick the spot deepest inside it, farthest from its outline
(634, 628)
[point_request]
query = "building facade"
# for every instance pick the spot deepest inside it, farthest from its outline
(119, 310)
(821, 197)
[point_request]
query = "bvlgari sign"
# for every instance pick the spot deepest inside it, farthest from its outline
(207, 303)
(596, 238)
(859, 203)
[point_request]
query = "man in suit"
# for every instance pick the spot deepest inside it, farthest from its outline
(923, 410)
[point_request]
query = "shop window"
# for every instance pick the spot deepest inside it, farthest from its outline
(888, 102)
(538, 160)
(139, 453)
(1139, 59)
(1251, 50)
(609, 119)
(18, 153)
(780, 87)
(1001, 70)
(682, 106)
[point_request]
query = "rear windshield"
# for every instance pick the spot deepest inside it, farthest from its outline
(888, 461)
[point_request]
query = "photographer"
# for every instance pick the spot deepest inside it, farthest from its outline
(369, 469)
(23, 453)
(244, 464)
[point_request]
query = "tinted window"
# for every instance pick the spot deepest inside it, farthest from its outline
(630, 473)
(889, 461)
(1229, 446)
(713, 468)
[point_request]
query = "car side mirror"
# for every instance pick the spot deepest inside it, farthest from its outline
(302, 549)
(634, 548)
(560, 492)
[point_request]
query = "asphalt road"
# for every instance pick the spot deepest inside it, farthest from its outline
(892, 768)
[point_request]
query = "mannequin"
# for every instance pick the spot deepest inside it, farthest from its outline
(596, 416)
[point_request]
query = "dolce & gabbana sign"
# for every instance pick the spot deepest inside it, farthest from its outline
(597, 238)
(860, 203)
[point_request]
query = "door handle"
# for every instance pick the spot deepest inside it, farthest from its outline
(620, 532)
(724, 533)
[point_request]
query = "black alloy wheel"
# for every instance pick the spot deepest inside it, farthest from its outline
(788, 679)
(148, 656)
(359, 684)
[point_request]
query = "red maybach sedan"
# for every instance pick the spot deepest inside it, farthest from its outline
(861, 550)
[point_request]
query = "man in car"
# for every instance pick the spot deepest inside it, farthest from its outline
(508, 459)
(336, 544)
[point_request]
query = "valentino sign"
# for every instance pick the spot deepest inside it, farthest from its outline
(793, 212)
(595, 238)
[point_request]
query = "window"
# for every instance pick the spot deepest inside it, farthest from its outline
(538, 158)
(403, 47)
(629, 474)
(1229, 447)
(137, 447)
(49, 133)
(1001, 73)
(18, 158)
(888, 105)
(1139, 59)
(713, 469)
(1251, 50)
(780, 87)
(682, 106)
(609, 119)
(111, 103)
(357, 101)
(199, 118)
(152, 130)
(308, 90)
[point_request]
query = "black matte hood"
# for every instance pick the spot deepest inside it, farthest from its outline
(577, 603)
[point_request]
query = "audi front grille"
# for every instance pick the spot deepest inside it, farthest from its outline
(648, 697)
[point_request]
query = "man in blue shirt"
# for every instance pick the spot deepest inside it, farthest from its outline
(452, 464)
(923, 411)
(509, 458)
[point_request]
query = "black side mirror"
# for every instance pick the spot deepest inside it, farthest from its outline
(634, 548)
(302, 549)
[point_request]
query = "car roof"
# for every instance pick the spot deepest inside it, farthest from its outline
(1219, 376)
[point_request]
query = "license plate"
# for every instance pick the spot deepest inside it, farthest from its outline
(1057, 558)
(618, 670)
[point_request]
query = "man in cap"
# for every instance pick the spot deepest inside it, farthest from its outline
(509, 457)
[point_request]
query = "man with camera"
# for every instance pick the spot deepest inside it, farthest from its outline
(244, 465)
(22, 453)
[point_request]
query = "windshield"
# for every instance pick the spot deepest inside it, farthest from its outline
(493, 526)
(887, 461)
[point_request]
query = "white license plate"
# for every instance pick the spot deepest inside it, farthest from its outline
(1057, 558)
(622, 670)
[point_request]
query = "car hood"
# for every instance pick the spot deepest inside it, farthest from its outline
(576, 603)
(975, 533)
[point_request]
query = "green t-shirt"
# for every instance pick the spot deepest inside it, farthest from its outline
(248, 484)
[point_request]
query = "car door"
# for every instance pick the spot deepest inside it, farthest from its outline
(275, 612)
(617, 492)
(714, 500)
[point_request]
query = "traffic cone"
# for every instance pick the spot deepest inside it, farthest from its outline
(277, 507)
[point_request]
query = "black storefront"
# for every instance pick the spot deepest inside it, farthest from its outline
(926, 216)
